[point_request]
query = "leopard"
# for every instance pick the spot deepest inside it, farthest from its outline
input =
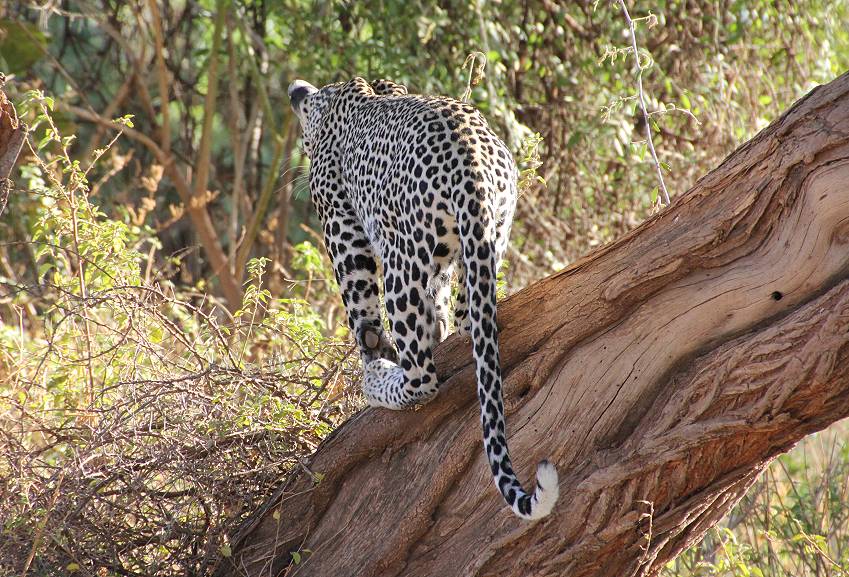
(420, 188)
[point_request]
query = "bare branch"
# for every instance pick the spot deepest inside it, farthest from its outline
(642, 99)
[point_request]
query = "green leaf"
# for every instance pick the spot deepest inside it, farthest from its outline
(48, 138)
(655, 126)
(43, 268)
(126, 120)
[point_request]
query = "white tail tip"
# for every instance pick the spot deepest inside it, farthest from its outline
(547, 491)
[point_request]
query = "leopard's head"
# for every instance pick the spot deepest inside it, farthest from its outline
(310, 104)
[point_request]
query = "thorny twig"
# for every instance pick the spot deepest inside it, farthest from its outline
(642, 100)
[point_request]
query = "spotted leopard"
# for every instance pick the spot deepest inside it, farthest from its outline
(422, 184)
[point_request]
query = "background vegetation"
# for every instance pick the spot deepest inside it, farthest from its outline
(171, 342)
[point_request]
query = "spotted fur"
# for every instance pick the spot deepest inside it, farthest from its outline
(422, 184)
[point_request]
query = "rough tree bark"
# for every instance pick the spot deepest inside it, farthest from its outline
(12, 135)
(661, 374)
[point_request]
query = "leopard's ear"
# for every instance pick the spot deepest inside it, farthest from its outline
(357, 85)
(385, 87)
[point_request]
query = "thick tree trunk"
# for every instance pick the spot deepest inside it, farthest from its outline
(661, 375)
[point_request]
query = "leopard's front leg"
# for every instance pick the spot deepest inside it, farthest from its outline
(389, 380)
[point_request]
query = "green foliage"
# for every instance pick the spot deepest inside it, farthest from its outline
(713, 74)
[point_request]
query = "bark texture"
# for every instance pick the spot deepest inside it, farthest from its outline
(12, 135)
(661, 374)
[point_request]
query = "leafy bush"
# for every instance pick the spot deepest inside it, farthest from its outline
(141, 421)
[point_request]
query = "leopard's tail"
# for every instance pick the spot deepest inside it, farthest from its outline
(478, 245)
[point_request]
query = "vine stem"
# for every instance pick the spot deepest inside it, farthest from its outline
(83, 293)
(642, 100)
(76, 180)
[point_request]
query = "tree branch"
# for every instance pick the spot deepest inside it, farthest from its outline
(642, 99)
(280, 137)
(12, 136)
